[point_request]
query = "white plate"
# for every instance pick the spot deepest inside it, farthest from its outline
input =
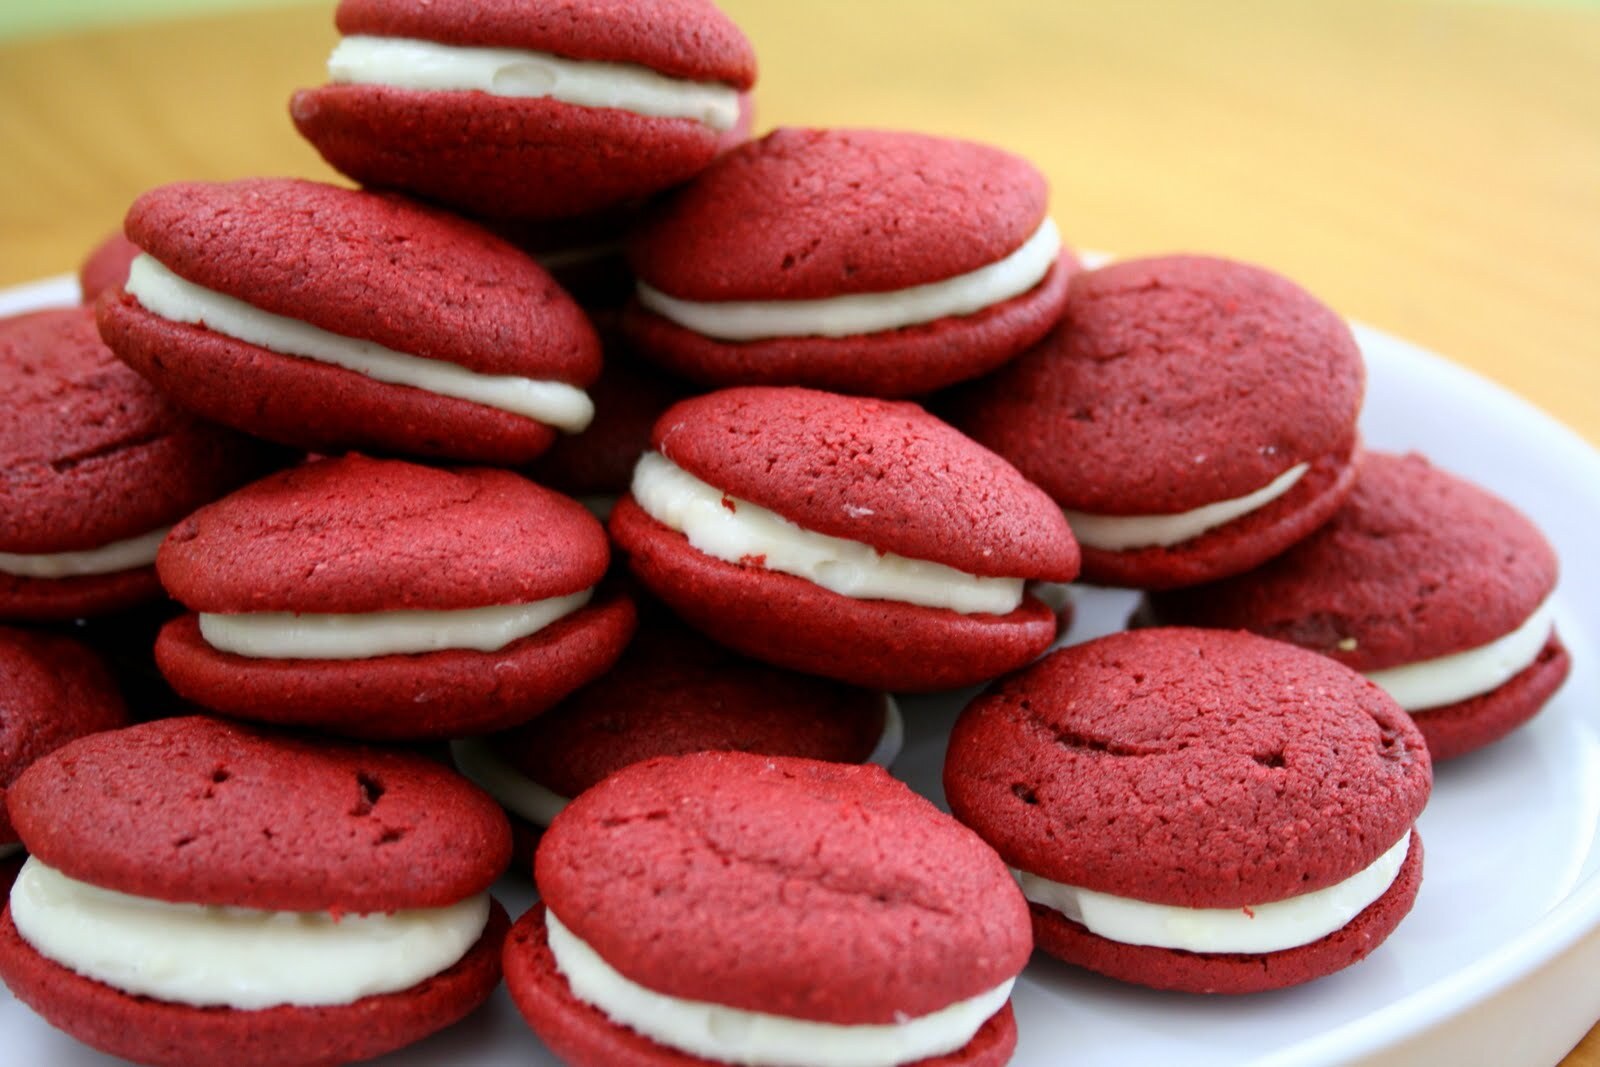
(1496, 965)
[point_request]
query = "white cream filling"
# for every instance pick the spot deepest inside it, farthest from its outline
(236, 957)
(1272, 927)
(107, 559)
(1116, 533)
(736, 531)
(163, 293)
(404, 63)
(286, 635)
(476, 758)
(858, 313)
(1434, 683)
(731, 1035)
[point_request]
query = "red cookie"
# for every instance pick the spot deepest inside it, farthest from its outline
(886, 501)
(1416, 566)
(106, 267)
(1197, 769)
(673, 693)
(52, 690)
(93, 461)
(732, 267)
(524, 138)
(371, 538)
(1172, 385)
(482, 356)
(814, 891)
(198, 811)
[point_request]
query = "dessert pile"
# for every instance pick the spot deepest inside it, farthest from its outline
(568, 498)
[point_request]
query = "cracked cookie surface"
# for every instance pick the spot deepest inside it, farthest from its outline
(208, 812)
(1190, 767)
(807, 889)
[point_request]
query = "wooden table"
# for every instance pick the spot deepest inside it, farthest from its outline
(1430, 168)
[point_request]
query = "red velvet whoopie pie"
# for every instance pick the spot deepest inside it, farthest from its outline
(528, 109)
(1197, 810)
(862, 261)
(95, 465)
(684, 893)
(673, 692)
(857, 539)
(200, 892)
(1433, 587)
(1193, 416)
(386, 600)
(335, 319)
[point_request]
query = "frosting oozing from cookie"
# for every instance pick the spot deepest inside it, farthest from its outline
(737, 531)
(403, 63)
(163, 293)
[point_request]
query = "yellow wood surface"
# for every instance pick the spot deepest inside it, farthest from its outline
(1430, 168)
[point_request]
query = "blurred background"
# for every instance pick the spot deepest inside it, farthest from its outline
(1432, 168)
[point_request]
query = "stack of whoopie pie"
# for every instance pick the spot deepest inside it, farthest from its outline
(846, 405)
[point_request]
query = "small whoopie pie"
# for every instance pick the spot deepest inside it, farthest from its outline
(332, 318)
(52, 690)
(1193, 416)
(95, 466)
(528, 109)
(106, 267)
(388, 600)
(201, 892)
(1199, 810)
(730, 907)
(1433, 587)
(673, 692)
(849, 537)
(863, 261)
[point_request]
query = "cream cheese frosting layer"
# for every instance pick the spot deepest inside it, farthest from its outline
(286, 635)
(161, 292)
(405, 63)
(859, 313)
(476, 758)
(1271, 927)
(118, 556)
(736, 531)
(1118, 533)
(1434, 683)
(236, 957)
(731, 1035)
